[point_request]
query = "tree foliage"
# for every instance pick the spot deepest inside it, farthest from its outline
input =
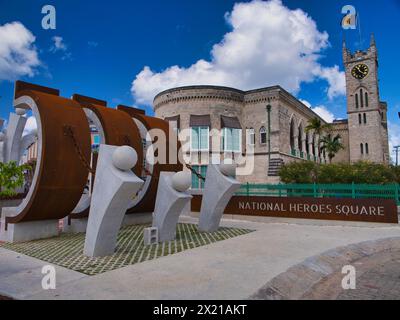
(360, 173)
(11, 178)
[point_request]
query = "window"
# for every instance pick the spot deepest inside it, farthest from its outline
(251, 137)
(300, 139)
(365, 118)
(361, 98)
(263, 135)
(96, 139)
(361, 148)
(199, 138)
(359, 118)
(366, 148)
(366, 99)
(198, 183)
(356, 97)
(231, 139)
(292, 145)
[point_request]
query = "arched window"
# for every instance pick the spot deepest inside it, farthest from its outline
(307, 144)
(251, 137)
(359, 118)
(366, 148)
(361, 98)
(361, 148)
(292, 147)
(365, 118)
(366, 99)
(356, 98)
(300, 138)
(263, 135)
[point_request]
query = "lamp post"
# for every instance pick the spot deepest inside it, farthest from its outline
(396, 149)
(269, 131)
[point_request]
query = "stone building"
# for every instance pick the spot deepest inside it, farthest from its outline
(270, 122)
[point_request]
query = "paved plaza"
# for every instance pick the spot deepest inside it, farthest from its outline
(240, 267)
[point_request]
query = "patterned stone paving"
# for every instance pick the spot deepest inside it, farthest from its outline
(377, 265)
(67, 249)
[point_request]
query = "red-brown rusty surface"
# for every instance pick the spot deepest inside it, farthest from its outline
(118, 127)
(62, 175)
(119, 130)
(147, 203)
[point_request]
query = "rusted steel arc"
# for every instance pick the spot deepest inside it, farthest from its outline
(119, 130)
(85, 213)
(147, 203)
(61, 176)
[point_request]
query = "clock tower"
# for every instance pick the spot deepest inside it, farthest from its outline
(367, 119)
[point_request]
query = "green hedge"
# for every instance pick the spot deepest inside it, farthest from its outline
(359, 172)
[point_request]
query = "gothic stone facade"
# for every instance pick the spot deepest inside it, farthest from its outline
(364, 134)
(286, 139)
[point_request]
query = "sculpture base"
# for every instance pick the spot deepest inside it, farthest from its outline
(26, 231)
(80, 225)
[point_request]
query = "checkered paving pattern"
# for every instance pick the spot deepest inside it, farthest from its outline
(67, 249)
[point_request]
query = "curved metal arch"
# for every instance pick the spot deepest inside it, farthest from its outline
(116, 128)
(56, 190)
(147, 200)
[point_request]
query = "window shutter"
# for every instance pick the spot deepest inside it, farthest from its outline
(204, 138)
(235, 140)
(195, 138)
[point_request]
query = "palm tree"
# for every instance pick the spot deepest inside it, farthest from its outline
(331, 145)
(316, 125)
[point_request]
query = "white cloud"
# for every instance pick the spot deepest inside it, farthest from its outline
(394, 138)
(58, 44)
(269, 45)
(30, 125)
(18, 55)
(93, 44)
(335, 78)
(322, 111)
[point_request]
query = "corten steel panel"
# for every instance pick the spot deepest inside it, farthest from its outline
(118, 127)
(147, 203)
(21, 86)
(365, 210)
(119, 130)
(62, 175)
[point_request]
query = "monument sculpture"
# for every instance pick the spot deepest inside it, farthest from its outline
(63, 161)
(171, 199)
(219, 187)
(114, 186)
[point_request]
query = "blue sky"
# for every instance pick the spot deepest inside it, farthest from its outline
(104, 46)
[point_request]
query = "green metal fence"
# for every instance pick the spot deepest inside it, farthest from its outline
(354, 191)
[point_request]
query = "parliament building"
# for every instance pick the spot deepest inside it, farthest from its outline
(271, 122)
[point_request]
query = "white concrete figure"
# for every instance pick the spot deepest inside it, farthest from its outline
(124, 158)
(112, 193)
(13, 137)
(170, 202)
(218, 190)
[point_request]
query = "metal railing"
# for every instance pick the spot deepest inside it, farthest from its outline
(353, 191)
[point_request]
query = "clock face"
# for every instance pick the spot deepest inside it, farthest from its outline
(360, 71)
